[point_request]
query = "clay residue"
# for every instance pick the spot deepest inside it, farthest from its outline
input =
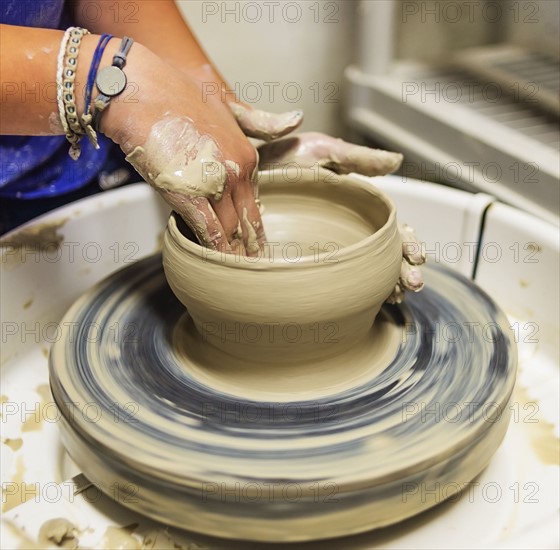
(38, 236)
(119, 538)
(14, 444)
(60, 532)
(534, 247)
(160, 539)
(252, 239)
(177, 158)
(3, 399)
(55, 126)
(44, 391)
(545, 443)
(17, 491)
(18, 247)
(233, 166)
(542, 436)
(34, 417)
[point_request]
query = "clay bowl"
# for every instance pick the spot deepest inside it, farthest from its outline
(332, 259)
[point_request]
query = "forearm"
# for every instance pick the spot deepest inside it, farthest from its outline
(157, 24)
(28, 64)
(28, 103)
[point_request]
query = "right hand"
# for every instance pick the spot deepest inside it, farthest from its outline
(190, 150)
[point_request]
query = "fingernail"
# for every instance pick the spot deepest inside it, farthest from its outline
(293, 115)
(396, 161)
(414, 280)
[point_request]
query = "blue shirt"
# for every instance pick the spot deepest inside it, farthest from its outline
(39, 166)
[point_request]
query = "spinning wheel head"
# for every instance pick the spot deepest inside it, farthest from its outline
(283, 465)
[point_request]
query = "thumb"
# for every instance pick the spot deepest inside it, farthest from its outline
(264, 125)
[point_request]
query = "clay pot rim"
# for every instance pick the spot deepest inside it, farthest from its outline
(310, 260)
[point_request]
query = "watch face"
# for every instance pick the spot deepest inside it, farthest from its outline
(111, 81)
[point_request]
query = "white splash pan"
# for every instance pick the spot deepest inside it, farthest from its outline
(512, 504)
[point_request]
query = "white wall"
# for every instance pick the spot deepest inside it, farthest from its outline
(535, 24)
(280, 55)
(430, 29)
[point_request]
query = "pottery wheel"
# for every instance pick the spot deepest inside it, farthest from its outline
(297, 460)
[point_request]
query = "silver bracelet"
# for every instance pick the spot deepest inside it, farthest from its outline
(59, 69)
(66, 75)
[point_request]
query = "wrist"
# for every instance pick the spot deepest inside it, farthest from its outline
(212, 83)
(112, 119)
(85, 59)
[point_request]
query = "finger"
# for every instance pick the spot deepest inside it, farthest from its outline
(311, 148)
(397, 295)
(199, 215)
(251, 222)
(363, 160)
(227, 215)
(264, 125)
(412, 250)
(283, 151)
(343, 157)
(410, 277)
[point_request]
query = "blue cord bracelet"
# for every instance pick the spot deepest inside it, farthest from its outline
(98, 54)
(87, 117)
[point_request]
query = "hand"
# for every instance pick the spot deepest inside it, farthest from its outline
(264, 125)
(413, 257)
(191, 151)
(310, 149)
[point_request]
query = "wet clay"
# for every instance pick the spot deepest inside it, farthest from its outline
(24, 491)
(39, 236)
(34, 422)
(160, 539)
(14, 444)
(332, 258)
(14, 247)
(542, 434)
(119, 538)
(315, 379)
(176, 158)
(269, 457)
(281, 404)
(60, 532)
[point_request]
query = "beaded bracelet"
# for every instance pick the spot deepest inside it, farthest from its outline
(59, 69)
(71, 122)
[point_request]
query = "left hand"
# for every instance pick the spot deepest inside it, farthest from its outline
(311, 149)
